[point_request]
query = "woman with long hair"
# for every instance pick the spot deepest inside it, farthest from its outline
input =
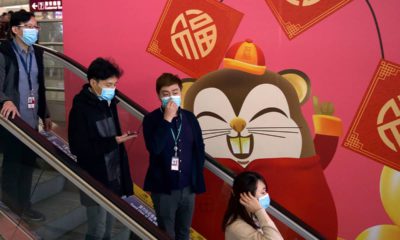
(245, 217)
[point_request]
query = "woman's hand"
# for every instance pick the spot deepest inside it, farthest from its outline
(250, 202)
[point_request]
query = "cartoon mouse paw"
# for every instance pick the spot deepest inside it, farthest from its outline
(324, 121)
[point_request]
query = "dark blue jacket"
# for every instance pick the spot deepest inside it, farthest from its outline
(156, 131)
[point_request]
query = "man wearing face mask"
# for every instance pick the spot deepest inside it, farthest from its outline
(96, 139)
(22, 93)
(175, 174)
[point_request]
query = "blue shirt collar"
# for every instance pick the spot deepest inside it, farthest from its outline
(21, 50)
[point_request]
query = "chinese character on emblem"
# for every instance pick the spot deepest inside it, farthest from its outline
(193, 35)
(296, 16)
(374, 132)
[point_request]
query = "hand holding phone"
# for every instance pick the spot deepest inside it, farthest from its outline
(132, 133)
(125, 137)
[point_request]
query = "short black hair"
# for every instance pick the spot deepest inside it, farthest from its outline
(102, 69)
(17, 18)
(167, 79)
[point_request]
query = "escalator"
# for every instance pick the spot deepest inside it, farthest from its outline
(58, 179)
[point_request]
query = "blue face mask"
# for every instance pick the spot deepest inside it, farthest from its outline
(264, 201)
(29, 36)
(107, 94)
(175, 99)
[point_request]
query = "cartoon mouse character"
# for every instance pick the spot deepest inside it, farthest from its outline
(251, 120)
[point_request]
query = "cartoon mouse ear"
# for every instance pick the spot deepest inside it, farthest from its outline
(299, 81)
(186, 84)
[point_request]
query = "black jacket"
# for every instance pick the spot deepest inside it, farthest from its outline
(91, 137)
(9, 77)
(156, 130)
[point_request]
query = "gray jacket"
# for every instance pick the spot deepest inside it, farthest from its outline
(9, 77)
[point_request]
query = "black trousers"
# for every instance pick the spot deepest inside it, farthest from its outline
(17, 171)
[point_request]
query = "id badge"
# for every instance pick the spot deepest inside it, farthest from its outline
(175, 164)
(31, 102)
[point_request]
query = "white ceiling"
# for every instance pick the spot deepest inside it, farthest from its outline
(5, 3)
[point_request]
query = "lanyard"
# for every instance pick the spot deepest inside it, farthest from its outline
(25, 65)
(179, 131)
(177, 136)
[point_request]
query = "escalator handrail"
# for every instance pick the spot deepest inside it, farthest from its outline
(211, 164)
(134, 108)
(86, 183)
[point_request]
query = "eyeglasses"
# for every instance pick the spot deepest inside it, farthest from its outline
(31, 27)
